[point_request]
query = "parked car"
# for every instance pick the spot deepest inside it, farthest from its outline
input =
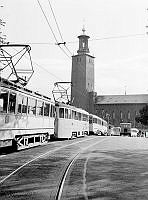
(134, 132)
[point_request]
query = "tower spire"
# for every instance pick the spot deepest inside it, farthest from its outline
(83, 30)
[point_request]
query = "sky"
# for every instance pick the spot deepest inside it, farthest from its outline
(118, 40)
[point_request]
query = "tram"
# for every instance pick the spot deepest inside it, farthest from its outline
(97, 126)
(26, 117)
(70, 122)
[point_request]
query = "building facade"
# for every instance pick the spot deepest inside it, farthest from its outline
(120, 108)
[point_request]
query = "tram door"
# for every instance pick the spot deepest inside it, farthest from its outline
(125, 130)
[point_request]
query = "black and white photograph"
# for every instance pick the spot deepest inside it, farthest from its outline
(73, 100)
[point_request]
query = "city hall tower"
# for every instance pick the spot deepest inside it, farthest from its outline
(82, 75)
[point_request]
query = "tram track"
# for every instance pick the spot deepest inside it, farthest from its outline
(38, 157)
(67, 168)
(59, 161)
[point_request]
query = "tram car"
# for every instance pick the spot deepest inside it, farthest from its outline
(26, 117)
(70, 122)
(97, 125)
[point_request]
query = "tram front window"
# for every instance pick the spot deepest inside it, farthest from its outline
(3, 101)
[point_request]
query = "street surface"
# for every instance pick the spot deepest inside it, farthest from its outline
(106, 168)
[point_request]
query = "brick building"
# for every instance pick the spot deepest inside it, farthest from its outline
(120, 108)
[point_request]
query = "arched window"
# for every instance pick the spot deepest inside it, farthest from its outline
(113, 115)
(128, 115)
(121, 115)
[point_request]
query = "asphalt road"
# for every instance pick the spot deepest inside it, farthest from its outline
(108, 168)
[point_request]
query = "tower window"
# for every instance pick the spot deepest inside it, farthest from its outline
(113, 115)
(83, 45)
(121, 115)
(78, 59)
(128, 115)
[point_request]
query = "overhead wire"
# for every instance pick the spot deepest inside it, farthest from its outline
(47, 21)
(55, 20)
(58, 28)
(40, 66)
(90, 40)
(52, 29)
(118, 37)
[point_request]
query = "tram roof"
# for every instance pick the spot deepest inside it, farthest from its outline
(122, 99)
(95, 116)
(9, 84)
(71, 107)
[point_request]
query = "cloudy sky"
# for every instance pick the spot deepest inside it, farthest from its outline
(117, 33)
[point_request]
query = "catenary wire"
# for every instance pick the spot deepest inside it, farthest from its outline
(53, 13)
(55, 20)
(52, 30)
(91, 40)
(47, 21)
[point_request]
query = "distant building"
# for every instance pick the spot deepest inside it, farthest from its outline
(113, 108)
(120, 108)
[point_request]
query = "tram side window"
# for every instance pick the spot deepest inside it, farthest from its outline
(73, 114)
(79, 116)
(95, 120)
(32, 106)
(61, 112)
(39, 108)
(19, 102)
(99, 121)
(3, 101)
(46, 109)
(69, 114)
(84, 117)
(66, 113)
(12, 102)
(24, 105)
(76, 116)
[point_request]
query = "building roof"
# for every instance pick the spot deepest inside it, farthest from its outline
(122, 99)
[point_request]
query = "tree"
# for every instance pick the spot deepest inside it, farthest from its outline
(143, 116)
